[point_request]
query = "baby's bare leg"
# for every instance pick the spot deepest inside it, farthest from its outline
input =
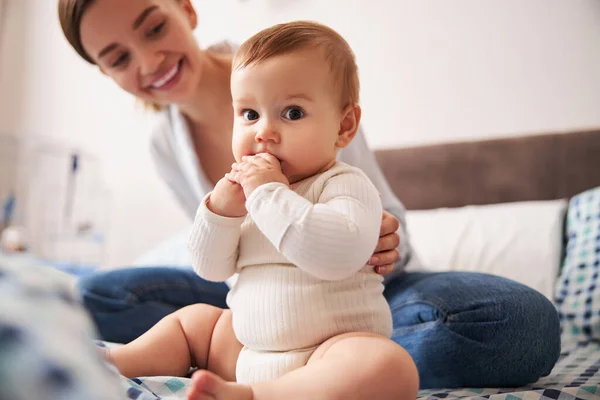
(195, 336)
(350, 366)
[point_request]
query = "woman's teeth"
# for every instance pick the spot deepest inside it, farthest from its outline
(167, 77)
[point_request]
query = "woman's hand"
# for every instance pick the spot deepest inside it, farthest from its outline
(254, 171)
(386, 253)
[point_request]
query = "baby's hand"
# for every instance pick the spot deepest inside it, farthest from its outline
(254, 171)
(227, 199)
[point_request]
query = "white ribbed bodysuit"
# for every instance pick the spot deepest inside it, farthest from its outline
(301, 256)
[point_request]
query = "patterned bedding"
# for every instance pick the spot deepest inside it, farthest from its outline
(575, 376)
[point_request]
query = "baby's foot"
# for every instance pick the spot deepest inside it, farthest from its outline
(206, 385)
(105, 352)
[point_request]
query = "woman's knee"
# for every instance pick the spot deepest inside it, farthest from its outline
(505, 333)
(527, 343)
(99, 293)
(94, 293)
(536, 319)
(515, 320)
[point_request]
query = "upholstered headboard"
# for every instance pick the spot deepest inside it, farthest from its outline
(541, 167)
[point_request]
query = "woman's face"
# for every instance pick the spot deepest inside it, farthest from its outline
(146, 46)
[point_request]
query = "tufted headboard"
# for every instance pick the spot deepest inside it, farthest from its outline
(541, 167)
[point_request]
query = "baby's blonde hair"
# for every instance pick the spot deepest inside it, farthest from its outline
(299, 35)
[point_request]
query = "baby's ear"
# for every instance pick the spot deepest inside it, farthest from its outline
(348, 125)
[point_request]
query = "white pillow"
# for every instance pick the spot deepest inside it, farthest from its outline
(521, 241)
(172, 252)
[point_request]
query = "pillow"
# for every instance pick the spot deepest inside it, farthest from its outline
(172, 252)
(521, 241)
(46, 348)
(577, 290)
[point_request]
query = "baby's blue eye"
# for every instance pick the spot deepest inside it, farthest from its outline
(293, 113)
(250, 115)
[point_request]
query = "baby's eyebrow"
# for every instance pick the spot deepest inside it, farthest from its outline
(243, 100)
(298, 96)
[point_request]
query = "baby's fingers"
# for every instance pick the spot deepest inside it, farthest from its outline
(239, 166)
(270, 158)
(234, 176)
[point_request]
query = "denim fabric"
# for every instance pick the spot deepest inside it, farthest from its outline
(473, 330)
(125, 303)
(462, 329)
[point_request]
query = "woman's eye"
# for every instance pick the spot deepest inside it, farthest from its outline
(156, 30)
(293, 113)
(250, 115)
(122, 59)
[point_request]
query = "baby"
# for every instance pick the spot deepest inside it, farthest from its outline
(307, 315)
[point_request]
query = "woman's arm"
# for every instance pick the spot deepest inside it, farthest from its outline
(332, 239)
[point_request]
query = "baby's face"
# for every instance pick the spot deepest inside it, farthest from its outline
(287, 106)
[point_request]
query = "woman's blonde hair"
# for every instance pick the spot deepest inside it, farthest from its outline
(70, 13)
(293, 36)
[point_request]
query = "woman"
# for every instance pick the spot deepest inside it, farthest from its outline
(462, 329)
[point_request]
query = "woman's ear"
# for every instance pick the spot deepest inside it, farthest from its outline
(190, 12)
(349, 125)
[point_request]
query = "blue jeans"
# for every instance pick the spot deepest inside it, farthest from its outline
(462, 329)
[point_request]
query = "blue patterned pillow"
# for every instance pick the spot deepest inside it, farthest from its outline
(46, 348)
(578, 287)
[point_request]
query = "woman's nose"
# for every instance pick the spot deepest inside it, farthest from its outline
(150, 62)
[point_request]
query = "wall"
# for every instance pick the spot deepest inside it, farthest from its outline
(15, 33)
(431, 71)
(435, 71)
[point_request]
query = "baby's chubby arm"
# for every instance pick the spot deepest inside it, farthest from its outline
(215, 236)
(332, 239)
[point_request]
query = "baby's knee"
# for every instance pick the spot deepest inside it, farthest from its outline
(209, 333)
(196, 318)
(389, 366)
(401, 373)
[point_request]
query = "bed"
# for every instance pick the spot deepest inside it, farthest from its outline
(542, 167)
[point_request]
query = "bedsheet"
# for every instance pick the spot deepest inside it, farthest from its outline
(575, 376)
